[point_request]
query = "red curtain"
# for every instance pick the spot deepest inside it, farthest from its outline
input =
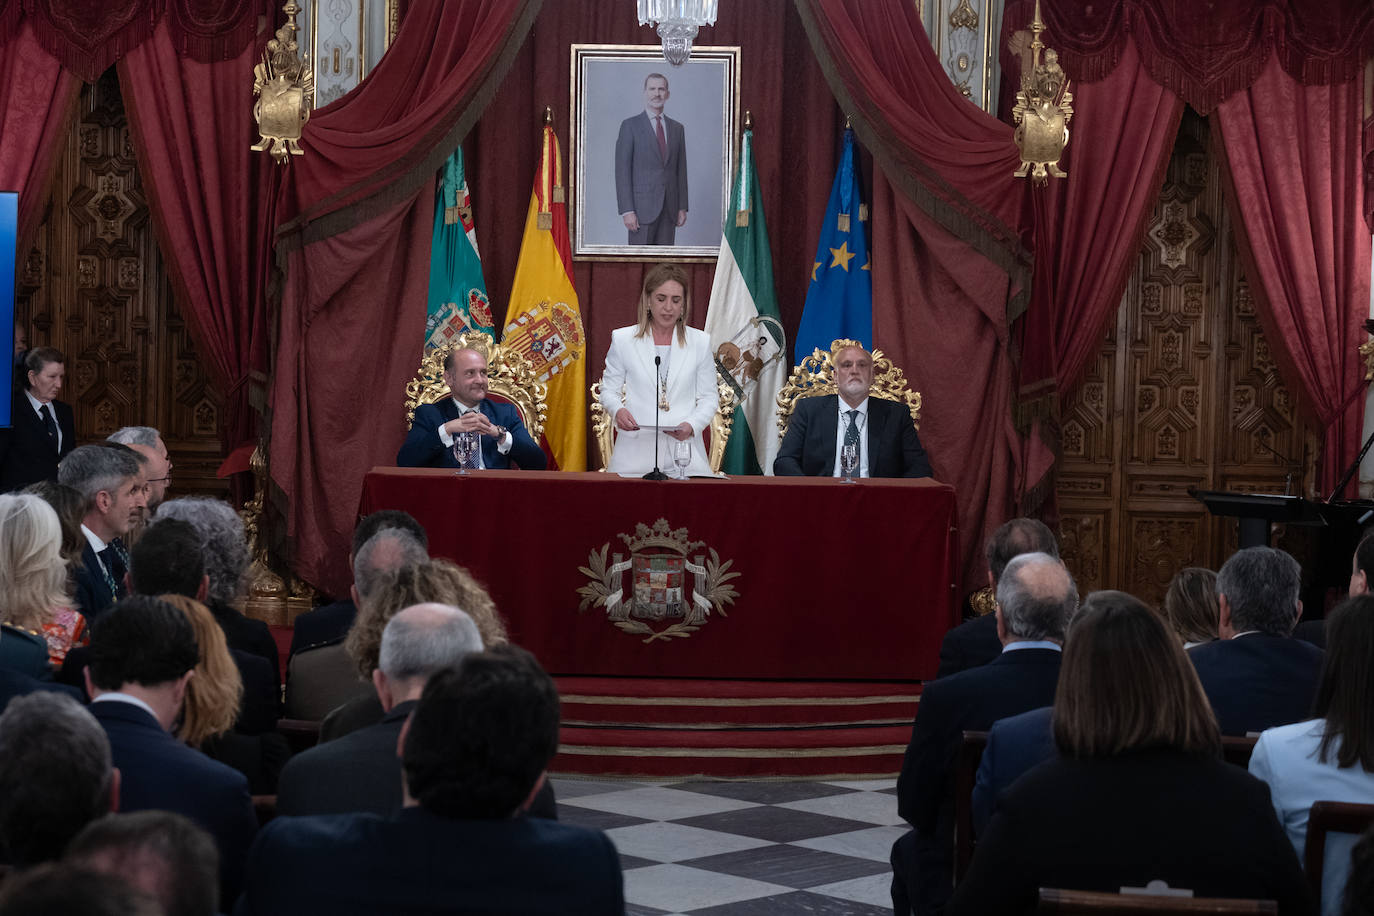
(1206, 51)
(1295, 181)
(37, 98)
(353, 241)
(211, 202)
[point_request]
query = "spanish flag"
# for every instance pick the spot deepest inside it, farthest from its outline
(542, 319)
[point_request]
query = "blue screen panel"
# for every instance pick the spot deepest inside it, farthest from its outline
(9, 226)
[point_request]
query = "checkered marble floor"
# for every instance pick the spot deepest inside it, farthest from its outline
(709, 848)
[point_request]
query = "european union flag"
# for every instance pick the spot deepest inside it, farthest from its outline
(839, 301)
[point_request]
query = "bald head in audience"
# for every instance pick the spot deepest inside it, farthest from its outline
(1036, 596)
(386, 551)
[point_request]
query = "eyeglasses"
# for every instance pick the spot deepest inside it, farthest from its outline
(167, 479)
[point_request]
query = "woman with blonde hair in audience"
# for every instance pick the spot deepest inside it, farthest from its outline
(214, 701)
(1331, 756)
(439, 581)
(1191, 607)
(35, 596)
(1139, 792)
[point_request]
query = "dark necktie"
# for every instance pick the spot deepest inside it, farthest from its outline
(851, 437)
(109, 565)
(50, 423)
(662, 140)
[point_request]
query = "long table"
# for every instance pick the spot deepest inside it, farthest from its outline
(750, 577)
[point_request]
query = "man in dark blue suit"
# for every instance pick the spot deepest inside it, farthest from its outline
(473, 751)
(110, 480)
(143, 653)
(884, 436)
(1035, 599)
(1015, 745)
(1257, 675)
(500, 431)
(43, 429)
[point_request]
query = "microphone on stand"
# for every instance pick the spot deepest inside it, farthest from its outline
(656, 474)
(1289, 462)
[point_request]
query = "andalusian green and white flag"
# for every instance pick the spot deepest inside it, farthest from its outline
(742, 319)
(457, 293)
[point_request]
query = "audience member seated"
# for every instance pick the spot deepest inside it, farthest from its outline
(322, 678)
(1361, 574)
(34, 595)
(330, 623)
(1330, 758)
(56, 776)
(56, 890)
(974, 642)
(433, 581)
(213, 702)
(1190, 606)
(1256, 675)
(1359, 890)
(360, 771)
(143, 653)
(1036, 596)
(226, 563)
(1139, 793)
(474, 754)
(70, 509)
(110, 482)
(1015, 745)
(159, 853)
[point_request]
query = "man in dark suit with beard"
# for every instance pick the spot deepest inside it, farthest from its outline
(43, 429)
(500, 433)
(881, 431)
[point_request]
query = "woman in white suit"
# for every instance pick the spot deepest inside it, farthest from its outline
(682, 384)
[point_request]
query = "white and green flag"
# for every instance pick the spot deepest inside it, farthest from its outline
(742, 319)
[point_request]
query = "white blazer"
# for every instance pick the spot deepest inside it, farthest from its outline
(692, 398)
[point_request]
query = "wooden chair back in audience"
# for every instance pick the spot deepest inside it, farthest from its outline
(1055, 900)
(1330, 817)
(300, 734)
(965, 775)
(1236, 750)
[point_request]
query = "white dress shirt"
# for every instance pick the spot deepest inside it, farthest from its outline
(503, 445)
(843, 425)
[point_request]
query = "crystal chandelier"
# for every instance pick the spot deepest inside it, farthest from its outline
(677, 21)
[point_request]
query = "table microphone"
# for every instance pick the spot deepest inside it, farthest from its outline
(656, 474)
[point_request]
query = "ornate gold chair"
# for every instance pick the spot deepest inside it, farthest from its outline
(815, 376)
(603, 426)
(510, 377)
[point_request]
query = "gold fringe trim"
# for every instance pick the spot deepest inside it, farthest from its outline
(730, 701)
(732, 752)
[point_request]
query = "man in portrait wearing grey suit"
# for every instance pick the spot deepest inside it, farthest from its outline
(651, 170)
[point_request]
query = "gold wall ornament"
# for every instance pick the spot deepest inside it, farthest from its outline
(661, 558)
(815, 376)
(284, 88)
(1044, 107)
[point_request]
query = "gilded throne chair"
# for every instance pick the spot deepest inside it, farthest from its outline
(814, 376)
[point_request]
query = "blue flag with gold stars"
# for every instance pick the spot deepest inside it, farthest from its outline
(839, 301)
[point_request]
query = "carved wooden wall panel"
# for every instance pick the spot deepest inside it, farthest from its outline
(1184, 393)
(94, 286)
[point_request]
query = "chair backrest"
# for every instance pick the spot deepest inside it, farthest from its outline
(965, 774)
(510, 377)
(603, 425)
(1056, 900)
(1236, 749)
(1330, 817)
(815, 376)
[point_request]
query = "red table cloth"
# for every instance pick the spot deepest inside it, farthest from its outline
(751, 577)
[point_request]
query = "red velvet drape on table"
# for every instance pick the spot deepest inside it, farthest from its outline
(1296, 182)
(354, 222)
(211, 202)
(36, 101)
(949, 263)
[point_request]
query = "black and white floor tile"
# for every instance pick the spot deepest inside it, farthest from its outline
(708, 848)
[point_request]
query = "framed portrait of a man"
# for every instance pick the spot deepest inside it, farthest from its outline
(652, 151)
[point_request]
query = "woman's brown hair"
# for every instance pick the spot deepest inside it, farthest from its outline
(1346, 685)
(214, 694)
(1127, 685)
(1190, 604)
(439, 581)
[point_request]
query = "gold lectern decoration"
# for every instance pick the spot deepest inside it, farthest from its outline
(284, 86)
(1044, 107)
(660, 560)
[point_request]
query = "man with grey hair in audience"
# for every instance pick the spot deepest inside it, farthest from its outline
(360, 771)
(56, 776)
(111, 483)
(164, 854)
(226, 563)
(1036, 597)
(147, 441)
(1257, 675)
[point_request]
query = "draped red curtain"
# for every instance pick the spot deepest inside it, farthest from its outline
(212, 207)
(353, 239)
(1295, 179)
(37, 98)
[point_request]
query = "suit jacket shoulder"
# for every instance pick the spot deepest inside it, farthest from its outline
(969, 645)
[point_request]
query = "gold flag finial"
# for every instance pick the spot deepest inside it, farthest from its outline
(1044, 107)
(847, 125)
(748, 119)
(284, 88)
(548, 114)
